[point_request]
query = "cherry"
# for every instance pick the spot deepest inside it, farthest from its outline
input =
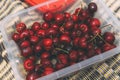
(65, 39)
(69, 25)
(25, 44)
(47, 43)
(77, 11)
(20, 27)
(48, 70)
(59, 66)
(55, 26)
(16, 37)
(92, 7)
(109, 37)
(67, 15)
(45, 55)
(73, 55)
(46, 63)
(98, 51)
(82, 42)
(83, 15)
(29, 65)
(55, 40)
(107, 47)
(76, 41)
(32, 76)
(48, 16)
(31, 33)
(37, 48)
(95, 22)
(90, 46)
(59, 18)
(51, 32)
(76, 27)
(45, 25)
(63, 58)
(34, 39)
(74, 18)
(83, 28)
(26, 51)
(24, 34)
(96, 31)
(36, 26)
(41, 33)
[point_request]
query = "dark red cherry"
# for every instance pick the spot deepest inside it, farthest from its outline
(16, 37)
(20, 27)
(45, 25)
(26, 51)
(55, 26)
(59, 18)
(46, 63)
(25, 44)
(45, 55)
(65, 39)
(36, 26)
(48, 16)
(25, 34)
(95, 22)
(47, 43)
(59, 66)
(73, 55)
(48, 70)
(74, 18)
(84, 28)
(51, 32)
(41, 33)
(69, 25)
(92, 7)
(34, 39)
(98, 51)
(37, 48)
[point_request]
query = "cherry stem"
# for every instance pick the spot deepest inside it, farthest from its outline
(102, 38)
(62, 50)
(93, 38)
(106, 25)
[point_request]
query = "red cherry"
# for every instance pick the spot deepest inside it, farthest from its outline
(25, 34)
(20, 27)
(83, 42)
(83, 28)
(55, 26)
(48, 70)
(69, 25)
(75, 18)
(45, 25)
(31, 33)
(34, 39)
(41, 33)
(95, 22)
(45, 55)
(83, 15)
(92, 7)
(51, 32)
(48, 16)
(107, 47)
(76, 27)
(67, 15)
(109, 37)
(96, 31)
(37, 48)
(59, 18)
(90, 46)
(32, 76)
(25, 44)
(47, 43)
(26, 51)
(16, 37)
(76, 41)
(98, 51)
(36, 26)
(46, 63)
(77, 11)
(73, 55)
(55, 40)
(29, 65)
(65, 39)
(59, 66)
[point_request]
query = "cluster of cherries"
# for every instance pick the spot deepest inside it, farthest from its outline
(63, 39)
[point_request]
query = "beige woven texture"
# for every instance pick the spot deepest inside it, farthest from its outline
(106, 70)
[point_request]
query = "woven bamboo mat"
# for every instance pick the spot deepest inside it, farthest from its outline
(106, 70)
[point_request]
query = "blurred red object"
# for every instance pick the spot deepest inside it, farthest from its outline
(56, 6)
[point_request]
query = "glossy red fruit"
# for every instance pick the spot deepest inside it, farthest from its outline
(25, 44)
(83, 15)
(82, 42)
(16, 37)
(34, 39)
(32, 76)
(59, 18)
(59, 66)
(77, 11)
(45, 55)
(95, 22)
(92, 7)
(48, 16)
(74, 18)
(69, 25)
(47, 43)
(20, 27)
(29, 65)
(51, 32)
(63, 58)
(46, 63)
(41, 33)
(76, 41)
(37, 48)
(25, 34)
(73, 55)
(48, 70)
(36, 26)
(31, 33)
(26, 51)
(109, 37)
(96, 31)
(65, 39)
(45, 25)
(67, 15)
(55, 26)
(107, 47)
(76, 27)
(98, 51)
(83, 28)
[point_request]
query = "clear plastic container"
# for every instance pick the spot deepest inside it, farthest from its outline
(32, 14)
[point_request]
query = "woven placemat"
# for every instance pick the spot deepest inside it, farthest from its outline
(106, 70)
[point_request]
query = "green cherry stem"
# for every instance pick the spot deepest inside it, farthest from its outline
(93, 38)
(62, 50)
